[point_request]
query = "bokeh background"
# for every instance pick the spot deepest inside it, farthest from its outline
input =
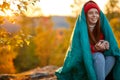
(36, 33)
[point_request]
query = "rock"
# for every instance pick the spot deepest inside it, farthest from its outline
(7, 77)
(45, 73)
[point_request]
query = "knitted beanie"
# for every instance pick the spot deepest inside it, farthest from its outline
(91, 4)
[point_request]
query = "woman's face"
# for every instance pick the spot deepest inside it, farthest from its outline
(93, 16)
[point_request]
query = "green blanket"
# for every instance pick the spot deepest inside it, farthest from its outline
(78, 63)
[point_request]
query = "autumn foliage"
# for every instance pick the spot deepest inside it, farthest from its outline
(9, 42)
(115, 23)
(37, 43)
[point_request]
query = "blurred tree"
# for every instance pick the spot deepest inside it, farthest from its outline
(11, 8)
(115, 23)
(77, 6)
(112, 9)
(71, 21)
(6, 60)
(9, 43)
(62, 44)
(27, 24)
(26, 59)
(15, 7)
(44, 41)
(113, 15)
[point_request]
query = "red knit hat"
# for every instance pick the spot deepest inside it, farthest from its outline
(90, 4)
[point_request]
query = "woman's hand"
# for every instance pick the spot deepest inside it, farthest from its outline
(101, 45)
(106, 45)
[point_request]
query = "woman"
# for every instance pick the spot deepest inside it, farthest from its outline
(102, 64)
(93, 52)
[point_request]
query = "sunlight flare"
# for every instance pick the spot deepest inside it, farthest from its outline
(62, 7)
(8, 13)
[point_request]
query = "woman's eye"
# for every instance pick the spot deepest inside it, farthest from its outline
(96, 12)
(90, 12)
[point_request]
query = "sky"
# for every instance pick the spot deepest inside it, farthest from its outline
(62, 7)
(51, 7)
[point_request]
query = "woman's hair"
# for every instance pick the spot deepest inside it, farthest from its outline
(95, 35)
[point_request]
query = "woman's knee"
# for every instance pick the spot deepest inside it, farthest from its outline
(98, 56)
(110, 59)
